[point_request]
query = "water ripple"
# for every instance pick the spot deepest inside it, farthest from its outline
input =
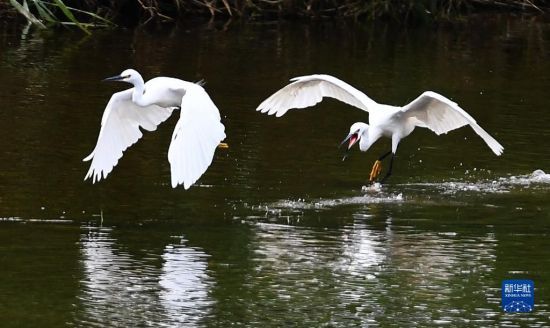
(119, 288)
(428, 193)
(537, 178)
(362, 276)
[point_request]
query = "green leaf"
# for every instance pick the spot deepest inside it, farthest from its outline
(67, 12)
(95, 16)
(44, 12)
(24, 10)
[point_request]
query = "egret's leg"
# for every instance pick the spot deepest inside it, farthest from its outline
(223, 145)
(377, 167)
(389, 170)
(375, 171)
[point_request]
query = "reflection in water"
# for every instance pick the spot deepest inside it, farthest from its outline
(120, 289)
(184, 284)
(438, 269)
(115, 287)
(350, 277)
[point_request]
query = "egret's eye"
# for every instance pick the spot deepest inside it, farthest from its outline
(126, 76)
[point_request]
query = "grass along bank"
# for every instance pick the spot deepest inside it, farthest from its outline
(85, 14)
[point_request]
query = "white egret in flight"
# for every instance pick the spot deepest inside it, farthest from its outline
(430, 110)
(197, 133)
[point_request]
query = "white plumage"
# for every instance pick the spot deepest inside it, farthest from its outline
(442, 115)
(146, 105)
(195, 137)
(430, 110)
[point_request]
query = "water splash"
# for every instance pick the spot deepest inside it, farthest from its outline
(421, 193)
(327, 203)
(373, 188)
(374, 196)
(537, 178)
(32, 220)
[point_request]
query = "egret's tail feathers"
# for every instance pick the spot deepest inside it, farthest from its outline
(495, 146)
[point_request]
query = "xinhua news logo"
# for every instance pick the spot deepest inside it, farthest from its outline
(518, 295)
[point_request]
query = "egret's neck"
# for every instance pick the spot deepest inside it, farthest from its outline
(364, 144)
(139, 91)
(368, 137)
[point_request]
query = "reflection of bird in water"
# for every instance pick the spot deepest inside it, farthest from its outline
(171, 287)
(146, 105)
(430, 110)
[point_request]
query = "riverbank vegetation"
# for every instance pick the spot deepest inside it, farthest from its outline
(138, 12)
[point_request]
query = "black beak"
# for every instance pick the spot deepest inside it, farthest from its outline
(346, 140)
(351, 135)
(345, 155)
(114, 78)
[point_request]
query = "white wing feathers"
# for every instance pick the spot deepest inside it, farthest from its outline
(120, 128)
(442, 115)
(306, 91)
(196, 137)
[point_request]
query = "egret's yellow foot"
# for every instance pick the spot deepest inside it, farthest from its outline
(376, 169)
(223, 145)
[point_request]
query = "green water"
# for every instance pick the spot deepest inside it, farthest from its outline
(278, 231)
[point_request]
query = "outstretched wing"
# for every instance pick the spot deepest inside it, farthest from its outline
(441, 115)
(308, 90)
(120, 128)
(196, 137)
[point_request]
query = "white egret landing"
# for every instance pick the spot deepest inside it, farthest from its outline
(430, 110)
